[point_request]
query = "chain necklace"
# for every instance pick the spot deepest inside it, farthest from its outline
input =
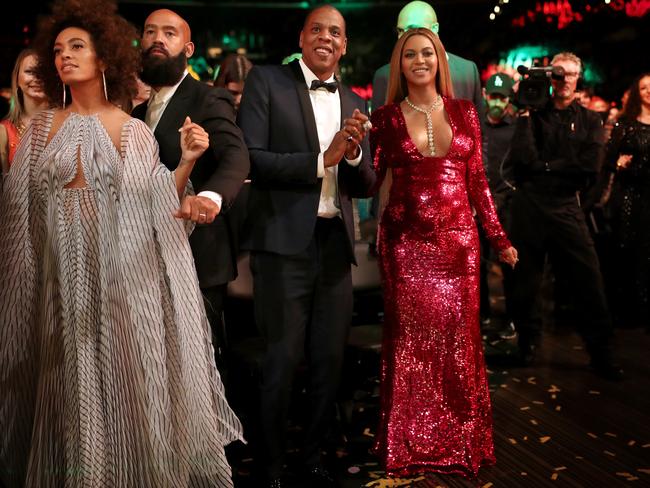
(20, 127)
(427, 113)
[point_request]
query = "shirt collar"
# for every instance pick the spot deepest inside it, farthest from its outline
(166, 92)
(309, 74)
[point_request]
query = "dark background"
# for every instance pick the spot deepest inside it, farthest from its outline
(606, 38)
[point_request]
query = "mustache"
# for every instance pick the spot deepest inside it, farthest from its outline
(158, 47)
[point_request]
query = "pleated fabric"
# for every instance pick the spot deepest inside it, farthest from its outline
(107, 373)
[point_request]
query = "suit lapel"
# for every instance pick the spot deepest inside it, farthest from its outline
(176, 110)
(305, 106)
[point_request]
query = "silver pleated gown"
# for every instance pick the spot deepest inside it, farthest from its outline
(107, 374)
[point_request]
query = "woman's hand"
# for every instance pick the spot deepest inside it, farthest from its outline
(624, 161)
(509, 256)
(194, 141)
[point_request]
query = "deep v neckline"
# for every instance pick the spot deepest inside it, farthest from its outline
(412, 142)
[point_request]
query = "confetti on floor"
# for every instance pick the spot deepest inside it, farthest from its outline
(594, 392)
(610, 453)
(537, 402)
(544, 439)
(631, 443)
(554, 476)
(512, 441)
(534, 422)
(644, 470)
(593, 436)
(560, 468)
(524, 408)
(558, 408)
(610, 434)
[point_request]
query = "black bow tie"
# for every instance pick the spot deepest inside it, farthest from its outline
(330, 86)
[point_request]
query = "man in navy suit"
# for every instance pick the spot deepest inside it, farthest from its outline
(464, 73)
(309, 157)
(219, 174)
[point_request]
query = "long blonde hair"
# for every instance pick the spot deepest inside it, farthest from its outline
(397, 87)
(17, 107)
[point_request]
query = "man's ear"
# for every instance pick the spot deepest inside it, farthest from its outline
(300, 40)
(189, 49)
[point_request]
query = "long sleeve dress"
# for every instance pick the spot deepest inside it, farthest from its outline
(107, 373)
(629, 211)
(435, 406)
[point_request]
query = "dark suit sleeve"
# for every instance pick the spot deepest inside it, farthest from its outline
(379, 89)
(227, 147)
(255, 120)
(362, 177)
(476, 83)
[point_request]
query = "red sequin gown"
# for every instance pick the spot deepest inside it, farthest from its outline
(435, 406)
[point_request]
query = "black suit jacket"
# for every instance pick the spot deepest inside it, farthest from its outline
(464, 78)
(221, 169)
(278, 122)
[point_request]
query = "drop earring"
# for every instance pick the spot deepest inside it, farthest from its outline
(104, 83)
(64, 95)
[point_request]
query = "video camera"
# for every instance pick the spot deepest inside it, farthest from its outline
(535, 86)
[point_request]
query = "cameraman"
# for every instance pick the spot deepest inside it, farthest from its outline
(555, 152)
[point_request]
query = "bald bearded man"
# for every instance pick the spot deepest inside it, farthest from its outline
(464, 73)
(219, 174)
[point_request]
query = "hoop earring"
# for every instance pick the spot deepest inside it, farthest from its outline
(104, 83)
(63, 95)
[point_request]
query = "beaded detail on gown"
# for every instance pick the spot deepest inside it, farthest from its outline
(435, 406)
(107, 373)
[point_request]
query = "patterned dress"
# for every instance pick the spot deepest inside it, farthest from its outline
(107, 374)
(435, 405)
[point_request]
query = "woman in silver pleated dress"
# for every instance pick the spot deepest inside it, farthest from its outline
(107, 376)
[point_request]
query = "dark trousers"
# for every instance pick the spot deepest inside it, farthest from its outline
(303, 306)
(544, 224)
(213, 299)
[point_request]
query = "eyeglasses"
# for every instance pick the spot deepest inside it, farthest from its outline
(571, 75)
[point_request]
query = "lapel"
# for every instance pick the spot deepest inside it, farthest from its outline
(176, 110)
(305, 106)
(347, 103)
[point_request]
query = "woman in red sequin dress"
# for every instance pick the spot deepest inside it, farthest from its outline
(435, 406)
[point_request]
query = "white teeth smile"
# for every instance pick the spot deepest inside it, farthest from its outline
(322, 51)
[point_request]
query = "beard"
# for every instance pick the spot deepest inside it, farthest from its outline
(158, 71)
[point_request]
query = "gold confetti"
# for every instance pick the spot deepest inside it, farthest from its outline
(610, 434)
(534, 422)
(553, 396)
(367, 432)
(624, 474)
(554, 476)
(631, 443)
(525, 437)
(593, 436)
(523, 473)
(503, 385)
(644, 470)
(577, 348)
(512, 441)
(633, 478)
(545, 439)
(516, 380)
(487, 485)
(553, 389)
(579, 457)
(645, 445)
(594, 392)
(524, 408)
(610, 453)
(531, 380)
(558, 408)
(560, 468)
(537, 402)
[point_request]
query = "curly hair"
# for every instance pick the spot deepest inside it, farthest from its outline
(632, 108)
(114, 40)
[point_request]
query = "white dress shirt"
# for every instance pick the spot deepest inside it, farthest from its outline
(327, 113)
(156, 106)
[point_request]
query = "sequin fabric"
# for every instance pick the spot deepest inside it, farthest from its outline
(435, 406)
(629, 209)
